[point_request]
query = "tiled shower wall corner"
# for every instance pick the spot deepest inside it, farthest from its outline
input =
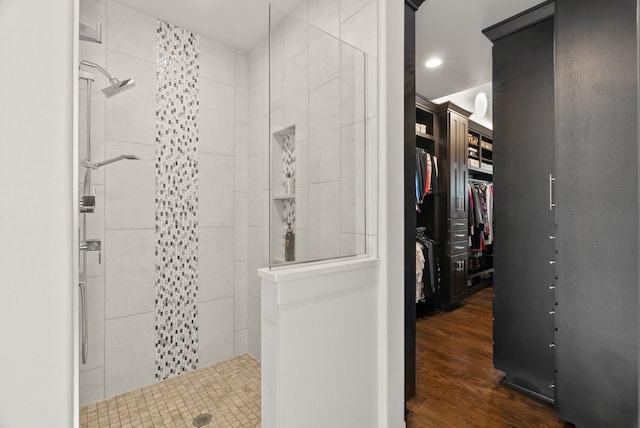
(311, 66)
(122, 290)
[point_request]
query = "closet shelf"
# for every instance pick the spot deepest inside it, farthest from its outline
(423, 135)
(482, 170)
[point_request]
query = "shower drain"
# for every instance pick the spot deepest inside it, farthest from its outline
(202, 420)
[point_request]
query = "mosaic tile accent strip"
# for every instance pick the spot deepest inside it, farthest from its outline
(289, 169)
(176, 201)
(229, 391)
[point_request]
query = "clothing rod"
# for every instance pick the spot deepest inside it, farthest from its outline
(475, 180)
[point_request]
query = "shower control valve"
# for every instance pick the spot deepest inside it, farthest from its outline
(93, 246)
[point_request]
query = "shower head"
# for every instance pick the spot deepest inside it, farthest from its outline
(116, 85)
(95, 165)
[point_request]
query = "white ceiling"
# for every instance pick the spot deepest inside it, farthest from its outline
(452, 30)
(238, 23)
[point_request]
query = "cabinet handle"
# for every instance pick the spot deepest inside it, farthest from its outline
(552, 237)
(457, 247)
(552, 312)
(458, 224)
(552, 345)
(552, 262)
(551, 180)
(459, 235)
(552, 287)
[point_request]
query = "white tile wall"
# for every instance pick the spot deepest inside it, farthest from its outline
(130, 32)
(97, 131)
(302, 182)
(324, 58)
(296, 94)
(215, 263)
(254, 204)
(276, 67)
(241, 227)
(324, 223)
(296, 37)
(325, 14)
(215, 332)
(352, 244)
(131, 115)
(352, 187)
(130, 187)
(242, 86)
(95, 321)
(256, 254)
(352, 85)
(91, 386)
(216, 190)
(216, 120)
(241, 294)
(241, 340)
(349, 7)
(130, 272)
(217, 61)
(130, 353)
(241, 158)
(360, 28)
(324, 133)
(255, 313)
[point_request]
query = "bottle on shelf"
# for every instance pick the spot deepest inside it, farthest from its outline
(289, 244)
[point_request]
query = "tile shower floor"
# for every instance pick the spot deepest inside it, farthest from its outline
(228, 391)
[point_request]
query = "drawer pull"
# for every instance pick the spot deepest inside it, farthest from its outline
(552, 287)
(457, 247)
(552, 312)
(459, 235)
(552, 345)
(458, 224)
(552, 262)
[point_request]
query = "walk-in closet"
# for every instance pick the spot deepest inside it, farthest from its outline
(520, 147)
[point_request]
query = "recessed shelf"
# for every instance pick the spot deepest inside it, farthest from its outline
(283, 197)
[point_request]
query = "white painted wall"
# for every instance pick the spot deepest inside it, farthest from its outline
(391, 242)
(36, 213)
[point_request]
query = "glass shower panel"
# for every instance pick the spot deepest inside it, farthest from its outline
(318, 140)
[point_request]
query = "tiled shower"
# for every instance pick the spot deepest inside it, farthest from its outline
(185, 228)
(170, 294)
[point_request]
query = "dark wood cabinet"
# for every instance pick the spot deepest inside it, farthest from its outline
(451, 128)
(524, 256)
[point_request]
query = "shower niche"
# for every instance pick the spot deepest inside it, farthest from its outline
(283, 195)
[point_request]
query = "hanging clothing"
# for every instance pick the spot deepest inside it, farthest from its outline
(420, 261)
(426, 173)
(427, 256)
(480, 215)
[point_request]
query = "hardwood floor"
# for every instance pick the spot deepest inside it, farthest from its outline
(457, 385)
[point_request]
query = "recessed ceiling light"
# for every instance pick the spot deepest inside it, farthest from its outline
(433, 62)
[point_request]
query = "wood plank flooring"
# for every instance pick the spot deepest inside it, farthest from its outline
(457, 385)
